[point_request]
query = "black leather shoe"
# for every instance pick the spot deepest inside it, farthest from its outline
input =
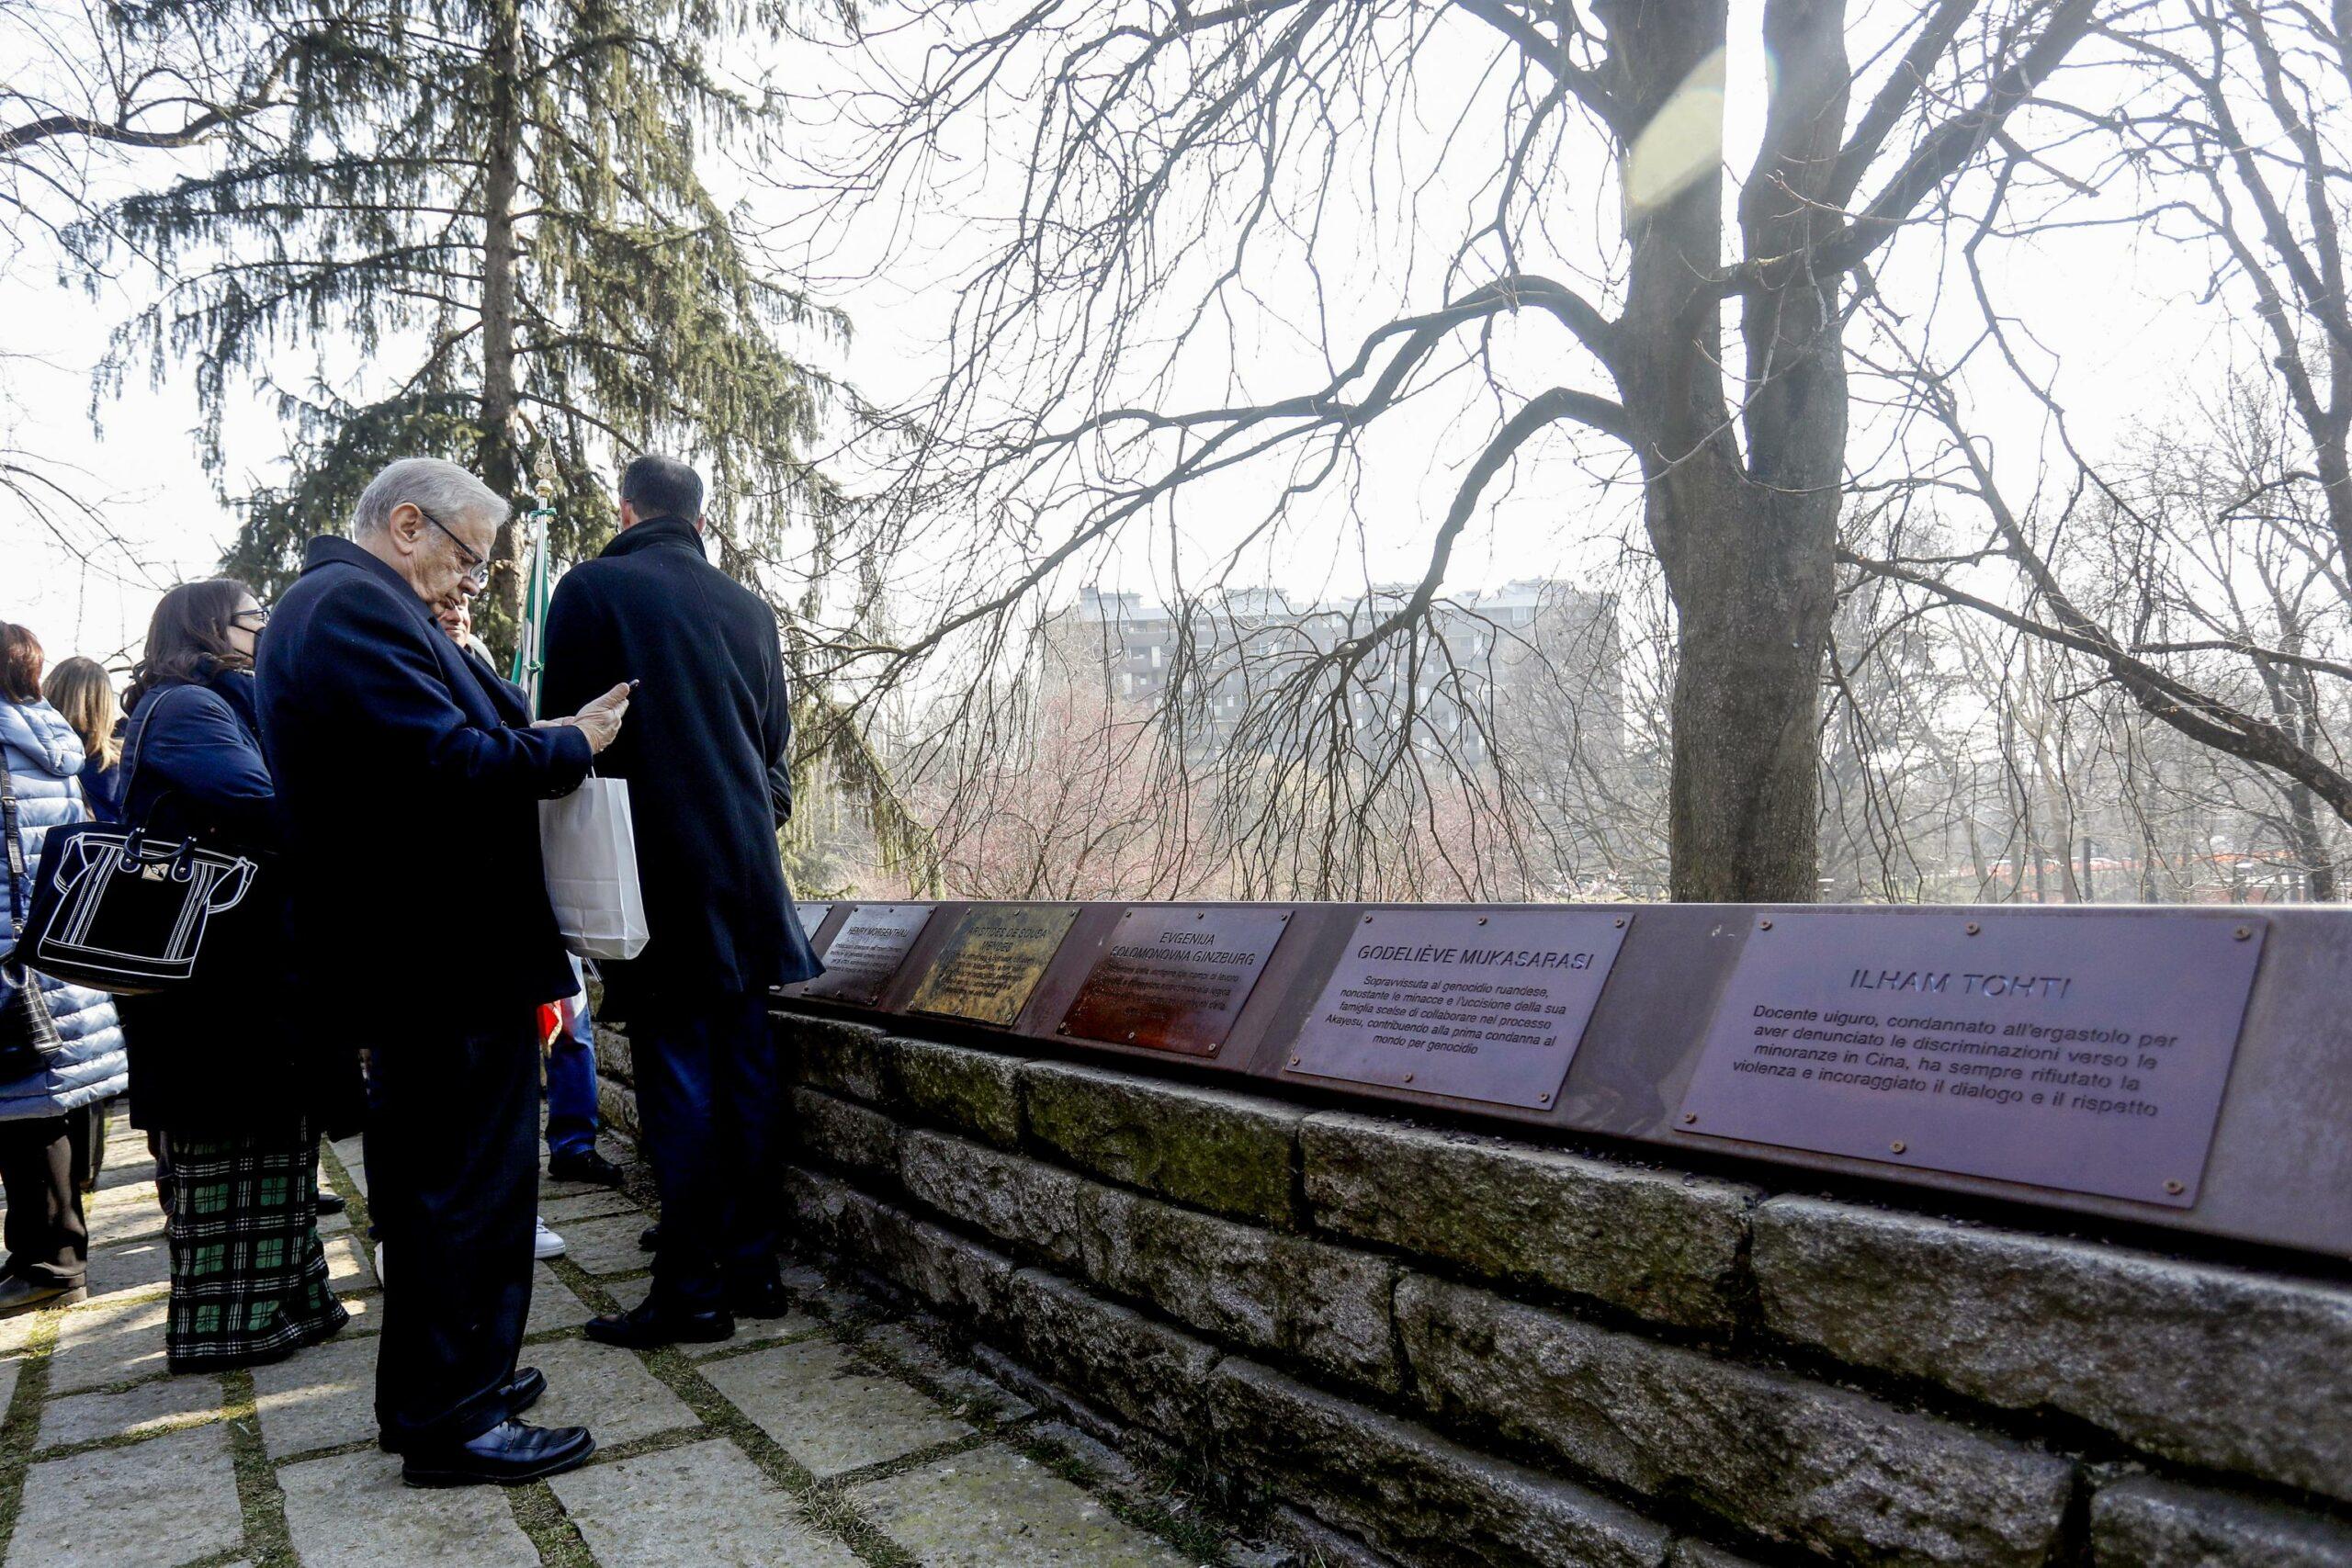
(650, 1239)
(586, 1166)
(644, 1327)
(520, 1395)
(332, 1203)
(508, 1454)
(767, 1299)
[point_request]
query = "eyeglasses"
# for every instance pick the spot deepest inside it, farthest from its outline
(252, 620)
(477, 565)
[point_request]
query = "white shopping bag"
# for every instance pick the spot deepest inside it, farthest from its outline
(590, 847)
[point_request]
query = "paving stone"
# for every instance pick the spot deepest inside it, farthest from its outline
(149, 1407)
(703, 1505)
(593, 1205)
(334, 1224)
(354, 1511)
(151, 1504)
(1661, 1243)
(605, 1389)
(2143, 1522)
(8, 1370)
(17, 1332)
(318, 1398)
(552, 1304)
(107, 1342)
(993, 1508)
(354, 1168)
(971, 1392)
(134, 1266)
(1205, 1146)
(608, 1245)
(124, 1213)
(2197, 1363)
(347, 1264)
(829, 1412)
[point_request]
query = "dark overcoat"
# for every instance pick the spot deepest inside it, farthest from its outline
(707, 729)
(233, 1050)
(410, 807)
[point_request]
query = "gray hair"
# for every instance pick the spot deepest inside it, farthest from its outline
(445, 490)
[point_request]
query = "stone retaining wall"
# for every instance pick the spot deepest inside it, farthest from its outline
(1428, 1346)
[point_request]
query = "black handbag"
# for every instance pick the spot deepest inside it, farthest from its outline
(113, 911)
(28, 1032)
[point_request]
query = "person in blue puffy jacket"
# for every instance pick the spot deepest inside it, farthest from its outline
(48, 1239)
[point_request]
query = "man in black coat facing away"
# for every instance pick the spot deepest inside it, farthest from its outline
(721, 929)
(399, 779)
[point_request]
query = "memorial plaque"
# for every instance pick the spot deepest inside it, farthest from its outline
(992, 960)
(1174, 978)
(2085, 1052)
(867, 951)
(812, 915)
(1487, 1006)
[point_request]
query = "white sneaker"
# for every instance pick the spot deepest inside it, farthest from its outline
(380, 1263)
(546, 1244)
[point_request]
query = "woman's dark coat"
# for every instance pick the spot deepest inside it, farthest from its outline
(233, 1051)
(704, 729)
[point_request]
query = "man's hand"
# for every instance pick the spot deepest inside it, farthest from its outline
(601, 719)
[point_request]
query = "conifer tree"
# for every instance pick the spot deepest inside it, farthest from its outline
(484, 220)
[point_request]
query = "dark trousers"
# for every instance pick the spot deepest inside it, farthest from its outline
(709, 1103)
(452, 1184)
(48, 1239)
(88, 1128)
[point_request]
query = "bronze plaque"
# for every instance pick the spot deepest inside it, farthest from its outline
(1487, 1006)
(867, 951)
(2085, 1051)
(1175, 978)
(992, 960)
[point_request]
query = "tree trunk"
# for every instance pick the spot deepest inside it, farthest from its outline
(498, 614)
(1749, 547)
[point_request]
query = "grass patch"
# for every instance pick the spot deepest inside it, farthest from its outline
(557, 1539)
(268, 1543)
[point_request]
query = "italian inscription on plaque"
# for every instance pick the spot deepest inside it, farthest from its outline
(992, 960)
(2085, 1052)
(1175, 978)
(867, 951)
(1487, 1006)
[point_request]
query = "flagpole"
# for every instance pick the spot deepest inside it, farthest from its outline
(530, 641)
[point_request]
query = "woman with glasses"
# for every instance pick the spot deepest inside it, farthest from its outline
(228, 1073)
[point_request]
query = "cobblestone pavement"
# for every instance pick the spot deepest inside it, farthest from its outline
(833, 1436)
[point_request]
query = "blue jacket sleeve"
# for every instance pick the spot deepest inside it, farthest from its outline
(193, 745)
(375, 661)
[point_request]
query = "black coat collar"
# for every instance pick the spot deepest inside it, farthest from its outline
(653, 533)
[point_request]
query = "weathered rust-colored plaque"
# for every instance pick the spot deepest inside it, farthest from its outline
(1175, 978)
(2085, 1051)
(812, 915)
(867, 951)
(1487, 1006)
(992, 960)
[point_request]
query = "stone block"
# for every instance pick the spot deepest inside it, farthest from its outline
(354, 1511)
(835, 1056)
(615, 1058)
(1144, 1372)
(616, 1105)
(1009, 1196)
(1798, 1463)
(975, 1092)
(1408, 1492)
(136, 1411)
(839, 1132)
(2143, 1522)
(108, 1341)
(1229, 1153)
(2213, 1366)
(319, 1398)
(954, 1274)
(608, 1390)
(1661, 1244)
(818, 1206)
(1263, 1290)
(1690, 1553)
(155, 1503)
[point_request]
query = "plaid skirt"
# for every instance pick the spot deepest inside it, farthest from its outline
(248, 1279)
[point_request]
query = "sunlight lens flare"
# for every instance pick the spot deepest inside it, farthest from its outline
(1682, 142)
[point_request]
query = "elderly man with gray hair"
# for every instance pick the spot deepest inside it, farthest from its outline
(410, 811)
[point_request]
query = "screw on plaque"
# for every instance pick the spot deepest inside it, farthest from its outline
(1482, 919)
(1408, 1078)
(1688, 1117)
(2243, 932)
(1063, 1030)
(1899, 1146)
(1543, 1099)
(1293, 1061)
(2175, 1188)
(1764, 925)
(1621, 921)
(1131, 1035)
(1367, 919)
(1973, 927)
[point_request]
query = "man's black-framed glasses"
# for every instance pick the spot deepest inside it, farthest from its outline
(477, 565)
